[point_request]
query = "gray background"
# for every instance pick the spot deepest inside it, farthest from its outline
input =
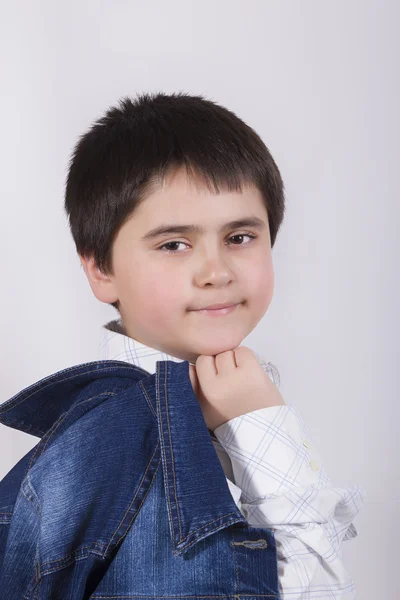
(319, 81)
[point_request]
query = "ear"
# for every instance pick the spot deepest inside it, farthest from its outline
(103, 286)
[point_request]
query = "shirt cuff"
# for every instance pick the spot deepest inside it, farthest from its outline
(271, 451)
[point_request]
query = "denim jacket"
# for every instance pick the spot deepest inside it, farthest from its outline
(124, 495)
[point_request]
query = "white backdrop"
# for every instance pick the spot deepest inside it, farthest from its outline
(319, 81)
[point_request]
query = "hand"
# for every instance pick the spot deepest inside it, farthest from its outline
(231, 384)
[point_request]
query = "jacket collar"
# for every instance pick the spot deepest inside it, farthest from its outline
(199, 500)
(36, 408)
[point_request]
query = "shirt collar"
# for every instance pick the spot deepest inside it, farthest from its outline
(115, 344)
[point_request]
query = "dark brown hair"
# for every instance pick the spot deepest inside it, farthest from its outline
(125, 153)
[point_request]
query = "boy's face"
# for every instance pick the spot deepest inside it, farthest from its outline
(160, 292)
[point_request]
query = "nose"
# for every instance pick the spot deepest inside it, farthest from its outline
(214, 269)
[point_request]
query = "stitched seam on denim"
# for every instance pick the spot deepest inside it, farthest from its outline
(34, 500)
(53, 428)
(236, 562)
(205, 525)
(172, 452)
(80, 554)
(163, 451)
(132, 501)
(32, 588)
(144, 391)
(39, 444)
(42, 387)
(139, 507)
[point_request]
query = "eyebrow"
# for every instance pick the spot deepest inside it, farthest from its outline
(254, 222)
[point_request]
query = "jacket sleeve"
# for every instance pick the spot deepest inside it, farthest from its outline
(285, 486)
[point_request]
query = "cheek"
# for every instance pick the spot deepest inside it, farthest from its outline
(260, 281)
(159, 293)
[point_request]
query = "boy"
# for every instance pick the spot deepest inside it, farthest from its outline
(241, 504)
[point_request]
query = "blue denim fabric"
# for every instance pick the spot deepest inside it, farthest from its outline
(124, 495)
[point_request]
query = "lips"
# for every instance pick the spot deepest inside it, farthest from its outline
(218, 312)
(217, 306)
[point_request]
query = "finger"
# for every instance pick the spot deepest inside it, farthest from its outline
(225, 361)
(205, 364)
(244, 356)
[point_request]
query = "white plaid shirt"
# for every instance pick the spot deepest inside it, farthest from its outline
(277, 480)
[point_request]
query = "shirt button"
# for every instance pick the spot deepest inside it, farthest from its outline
(307, 444)
(314, 465)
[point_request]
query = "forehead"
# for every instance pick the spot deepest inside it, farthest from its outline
(179, 196)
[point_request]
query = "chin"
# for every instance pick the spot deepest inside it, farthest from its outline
(219, 346)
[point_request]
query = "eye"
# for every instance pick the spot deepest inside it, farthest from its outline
(238, 235)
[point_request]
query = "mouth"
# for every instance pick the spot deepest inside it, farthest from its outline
(216, 312)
